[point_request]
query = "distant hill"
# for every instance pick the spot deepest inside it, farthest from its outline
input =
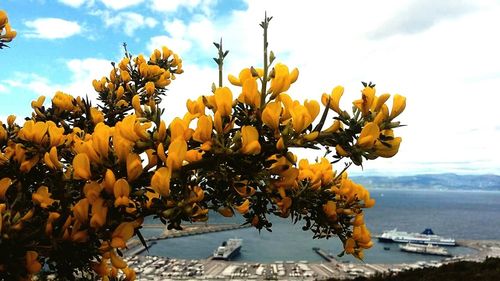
(433, 181)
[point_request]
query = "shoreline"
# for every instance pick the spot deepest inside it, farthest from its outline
(152, 268)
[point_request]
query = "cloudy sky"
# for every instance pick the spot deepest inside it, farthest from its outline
(444, 56)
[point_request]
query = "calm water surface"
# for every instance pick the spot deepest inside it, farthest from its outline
(457, 214)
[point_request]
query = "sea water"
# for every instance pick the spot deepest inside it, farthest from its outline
(457, 214)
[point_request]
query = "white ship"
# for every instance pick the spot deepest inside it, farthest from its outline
(228, 249)
(428, 249)
(426, 237)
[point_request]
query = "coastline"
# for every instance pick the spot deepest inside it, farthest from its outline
(160, 268)
(152, 268)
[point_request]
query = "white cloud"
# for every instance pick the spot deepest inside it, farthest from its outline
(73, 3)
(32, 83)
(129, 21)
(420, 15)
(3, 89)
(199, 32)
(178, 45)
(81, 71)
(172, 5)
(448, 69)
(52, 28)
(121, 4)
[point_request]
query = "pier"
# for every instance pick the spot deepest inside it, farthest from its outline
(135, 247)
(196, 229)
(324, 255)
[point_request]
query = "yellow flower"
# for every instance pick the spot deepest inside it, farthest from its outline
(282, 79)
(10, 120)
(218, 122)
(151, 195)
(34, 132)
(330, 210)
(365, 103)
(196, 107)
(359, 219)
(398, 105)
(3, 133)
(334, 127)
(349, 245)
(244, 75)
(369, 134)
(32, 264)
(382, 115)
(301, 118)
(203, 132)
(225, 211)
(178, 128)
(150, 88)
(122, 234)
(379, 102)
(224, 101)
(49, 227)
(3, 19)
(4, 185)
(8, 33)
(81, 210)
(387, 148)
(244, 207)
(250, 94)
(250, 140)
(160, 181)
(194, 155)
(81, 166)
(245, 191)
(116, 261)
(129, 274)
(136, 104)
(99, 213)
(271, 115)
(42, 197)
(176, 153)
(134, 167)
(100, 139)
(196, 195)
(121, 191)
(56, 134)
(284, 205)
(92, 191)
(96, 115)
(109, 181)
(334, 97)
(63, 101)
(38, 103)
(52, 160)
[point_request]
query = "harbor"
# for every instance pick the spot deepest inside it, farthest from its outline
(152, 268)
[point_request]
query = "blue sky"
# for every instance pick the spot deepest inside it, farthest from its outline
(442, 55)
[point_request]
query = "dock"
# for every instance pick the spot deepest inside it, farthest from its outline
(196, 229)
(324, 255)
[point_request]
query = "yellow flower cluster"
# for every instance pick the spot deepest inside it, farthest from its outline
(83, 177)
(6, 32)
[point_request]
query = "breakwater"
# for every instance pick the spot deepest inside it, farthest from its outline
(135, 247)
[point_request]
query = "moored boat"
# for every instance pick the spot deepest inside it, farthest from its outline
(228, 249)
(428, 249)
(426, 237)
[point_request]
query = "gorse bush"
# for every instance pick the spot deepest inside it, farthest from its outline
(77, 179)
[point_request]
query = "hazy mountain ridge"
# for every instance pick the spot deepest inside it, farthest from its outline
(433, 181)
